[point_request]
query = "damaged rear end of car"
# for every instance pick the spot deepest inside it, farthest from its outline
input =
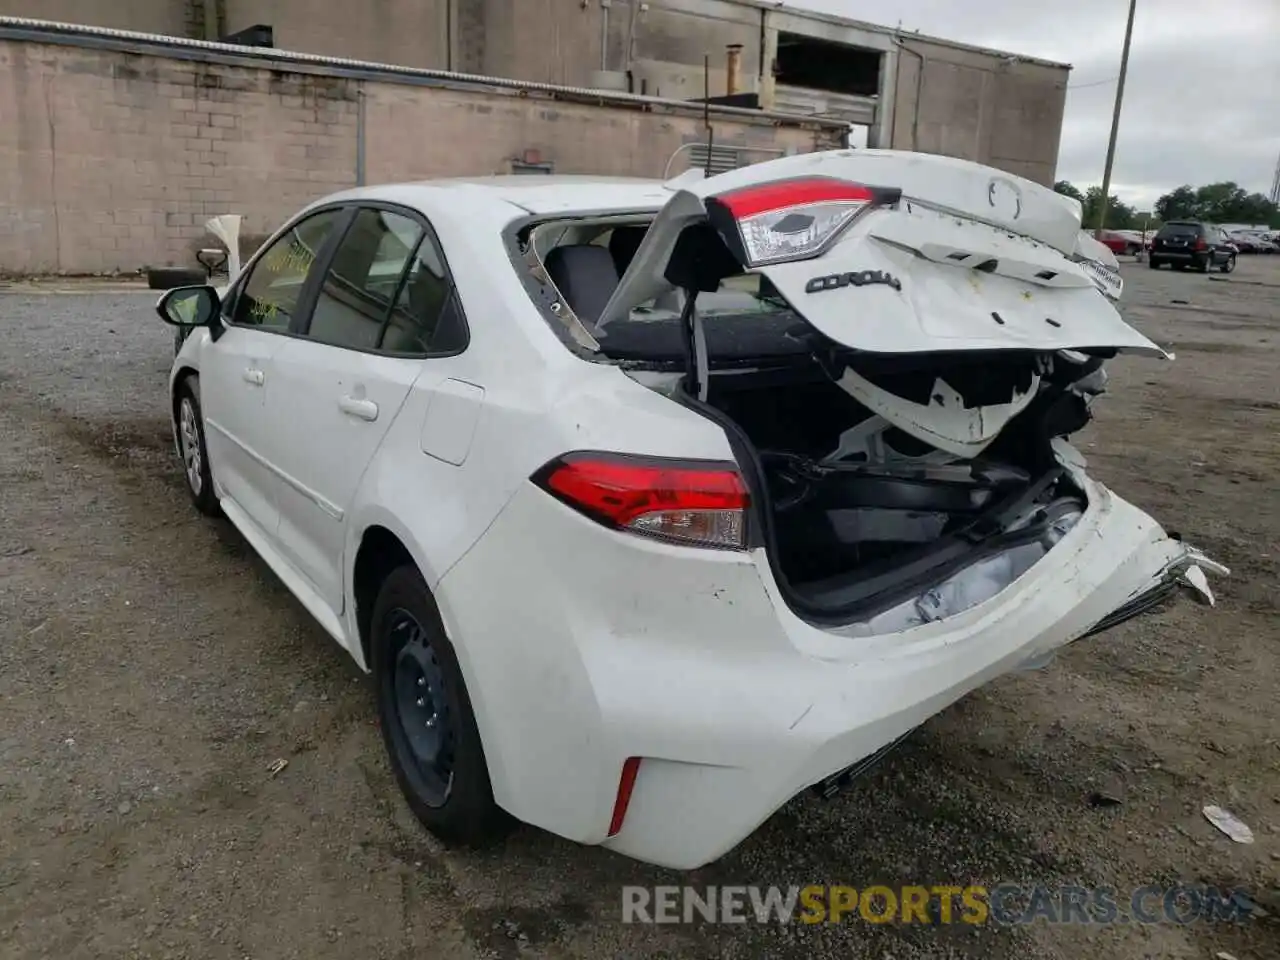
(895, 350)
(927, 332)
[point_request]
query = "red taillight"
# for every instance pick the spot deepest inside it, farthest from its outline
(1200, 243)
(691, 502)
(626, 783)
(784, 194)
(790, 219)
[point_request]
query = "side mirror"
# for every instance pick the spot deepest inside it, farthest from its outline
(189, 306)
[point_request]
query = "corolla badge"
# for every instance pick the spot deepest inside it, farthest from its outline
(1105, 278)
(860, 278)
(1005, 198)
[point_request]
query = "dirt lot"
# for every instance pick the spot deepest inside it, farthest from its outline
(151, 669)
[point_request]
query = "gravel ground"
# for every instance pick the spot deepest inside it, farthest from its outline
(151, 669)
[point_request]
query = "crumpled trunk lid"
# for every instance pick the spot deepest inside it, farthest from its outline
(951, 257)
(964, 242)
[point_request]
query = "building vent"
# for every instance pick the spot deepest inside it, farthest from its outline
(723, 159)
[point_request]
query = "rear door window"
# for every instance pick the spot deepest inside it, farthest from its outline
(1180, 231)
(427, 317)
(364, 279)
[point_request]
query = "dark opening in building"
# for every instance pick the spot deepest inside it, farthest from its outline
(826, 65)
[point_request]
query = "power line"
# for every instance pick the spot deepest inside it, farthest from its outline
(1094, 83)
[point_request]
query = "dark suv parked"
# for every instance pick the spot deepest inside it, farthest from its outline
(1182, 242)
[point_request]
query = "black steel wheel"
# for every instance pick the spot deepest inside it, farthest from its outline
(428, 725)
(423, 726)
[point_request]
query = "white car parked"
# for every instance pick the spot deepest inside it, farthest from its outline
(649, 506)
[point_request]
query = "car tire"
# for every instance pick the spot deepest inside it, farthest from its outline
(1229, 264)
(428, 725)
(1202, 266)
(192, 447)
(1153, 263)
(168, 278)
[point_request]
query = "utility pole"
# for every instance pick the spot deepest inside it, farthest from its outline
(1115, 123)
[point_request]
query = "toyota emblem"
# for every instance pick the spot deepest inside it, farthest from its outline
(1005, 198)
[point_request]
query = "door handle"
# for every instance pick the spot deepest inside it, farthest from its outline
(254, 375)
(358, 408)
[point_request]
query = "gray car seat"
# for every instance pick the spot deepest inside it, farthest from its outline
(586, 277)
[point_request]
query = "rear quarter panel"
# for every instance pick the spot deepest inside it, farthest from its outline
(539, 401)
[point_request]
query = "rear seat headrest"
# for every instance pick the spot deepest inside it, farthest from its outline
(586, 277)
(623, 244)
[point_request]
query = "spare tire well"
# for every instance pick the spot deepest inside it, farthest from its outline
(380, 552)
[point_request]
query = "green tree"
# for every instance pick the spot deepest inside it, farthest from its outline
(1224, 202)
(1179, 204)
(1258, 208)
(1219, 202)
(1119, 215)
(1068, 189)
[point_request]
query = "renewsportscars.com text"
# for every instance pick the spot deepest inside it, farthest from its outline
(1004, 904)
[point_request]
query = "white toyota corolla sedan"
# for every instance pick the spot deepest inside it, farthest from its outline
(649, 506)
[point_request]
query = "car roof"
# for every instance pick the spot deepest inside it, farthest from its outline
(523, 194)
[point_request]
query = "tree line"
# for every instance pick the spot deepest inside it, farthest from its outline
(1225, 202)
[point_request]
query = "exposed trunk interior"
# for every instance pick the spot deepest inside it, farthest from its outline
(861, 516)
(864, 520)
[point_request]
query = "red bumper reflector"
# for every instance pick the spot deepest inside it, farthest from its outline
(626, 784)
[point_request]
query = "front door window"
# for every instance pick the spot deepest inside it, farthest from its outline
(269, 298)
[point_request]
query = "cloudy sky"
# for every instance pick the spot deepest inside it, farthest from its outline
(1201, 102)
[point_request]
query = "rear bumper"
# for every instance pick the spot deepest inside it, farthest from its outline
(583, 647)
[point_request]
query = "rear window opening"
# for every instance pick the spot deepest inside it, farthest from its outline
(826, 65)
(583, 262)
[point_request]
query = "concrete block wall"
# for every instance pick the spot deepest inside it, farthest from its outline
(115, 161)
(111, 160)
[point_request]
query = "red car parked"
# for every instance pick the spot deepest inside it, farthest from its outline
(1120, 243)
